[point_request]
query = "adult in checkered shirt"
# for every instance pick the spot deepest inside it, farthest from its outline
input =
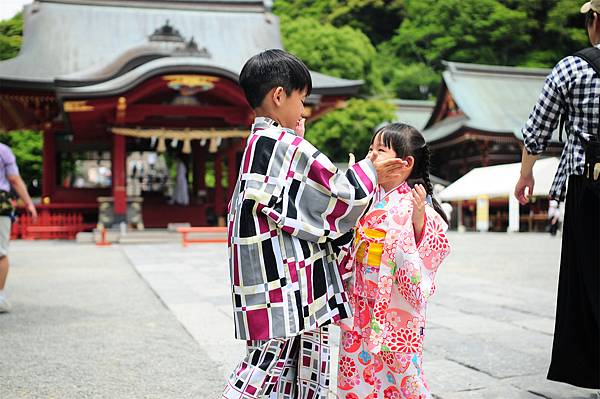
(573, 86)
(289, 207)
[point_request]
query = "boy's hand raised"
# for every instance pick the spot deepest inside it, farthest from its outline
(387, 169)
(299, 129)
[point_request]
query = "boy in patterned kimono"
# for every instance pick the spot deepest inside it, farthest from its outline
(289, 204)
(400, 242)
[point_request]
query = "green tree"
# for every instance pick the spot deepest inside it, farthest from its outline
(557, 30)
(11, 32)
(349, 130)
(342, 52)
(318, 9)
(27, 146)
(416, 81)
(378, 19)
(481, 31)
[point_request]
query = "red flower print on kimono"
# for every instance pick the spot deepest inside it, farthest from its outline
(411, 388)
(348, 373)
(416, 323)
(351, 341)
(406, 241)
(410, 291)
(347, 367)
(435, 246)
(437, 240)
(392, 393)
(399, 216)
(394, 318)
(406, 341)
(380, 309)
(385, 285)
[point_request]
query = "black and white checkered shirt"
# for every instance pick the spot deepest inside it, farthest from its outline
(575, 86)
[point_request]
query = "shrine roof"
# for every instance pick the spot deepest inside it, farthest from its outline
(69, 43)
(230, 5)
(493, 99)
(413, 112)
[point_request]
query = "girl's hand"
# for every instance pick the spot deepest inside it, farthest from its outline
(419, 195)
(299, 129)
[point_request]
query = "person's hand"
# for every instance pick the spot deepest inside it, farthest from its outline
(387, 169)
(351, 160)
(299, 129)
(419, 196)
(525, 181)
(32, 211)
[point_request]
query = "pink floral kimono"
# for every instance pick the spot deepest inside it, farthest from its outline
(382, 345)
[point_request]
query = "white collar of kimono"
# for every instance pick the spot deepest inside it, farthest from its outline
(264, 122)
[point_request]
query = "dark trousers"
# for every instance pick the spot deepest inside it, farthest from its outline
(576, 347)
(553, 228)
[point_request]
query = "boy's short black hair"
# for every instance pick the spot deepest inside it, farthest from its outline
(273, 68)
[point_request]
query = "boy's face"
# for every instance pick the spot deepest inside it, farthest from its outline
(289, 108)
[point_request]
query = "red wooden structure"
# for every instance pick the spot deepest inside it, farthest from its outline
(203, 235)
(154, 76)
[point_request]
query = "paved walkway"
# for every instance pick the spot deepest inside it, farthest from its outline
(85, 325)
(490, 323)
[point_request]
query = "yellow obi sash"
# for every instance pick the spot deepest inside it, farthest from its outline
(371, 242)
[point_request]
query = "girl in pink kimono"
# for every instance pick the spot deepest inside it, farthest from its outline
(398, 247)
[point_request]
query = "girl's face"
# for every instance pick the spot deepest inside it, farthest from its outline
(382, 151)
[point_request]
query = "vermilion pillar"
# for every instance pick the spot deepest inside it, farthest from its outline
(219, 195)
(119, 180)
(48, 164)
(232, 170)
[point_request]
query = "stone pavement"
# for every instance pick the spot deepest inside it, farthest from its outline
(85, 325)
(490, 322)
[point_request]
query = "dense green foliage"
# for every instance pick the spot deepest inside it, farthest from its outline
(413, 37)
(342, 52)
(11, 31)
(25, 144)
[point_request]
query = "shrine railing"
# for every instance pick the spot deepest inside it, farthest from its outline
(51, 224)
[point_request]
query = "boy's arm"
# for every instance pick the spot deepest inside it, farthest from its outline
(318, 202)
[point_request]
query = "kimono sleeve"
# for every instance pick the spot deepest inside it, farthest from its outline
(318, 202)
(433, 246)
(414, 264)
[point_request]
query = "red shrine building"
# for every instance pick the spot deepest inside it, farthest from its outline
(112, 83)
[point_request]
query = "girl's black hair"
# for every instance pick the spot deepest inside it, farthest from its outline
(273, 68)
(405, 140)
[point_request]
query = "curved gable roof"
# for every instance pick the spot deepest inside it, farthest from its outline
(495, 99)
(62, 39)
